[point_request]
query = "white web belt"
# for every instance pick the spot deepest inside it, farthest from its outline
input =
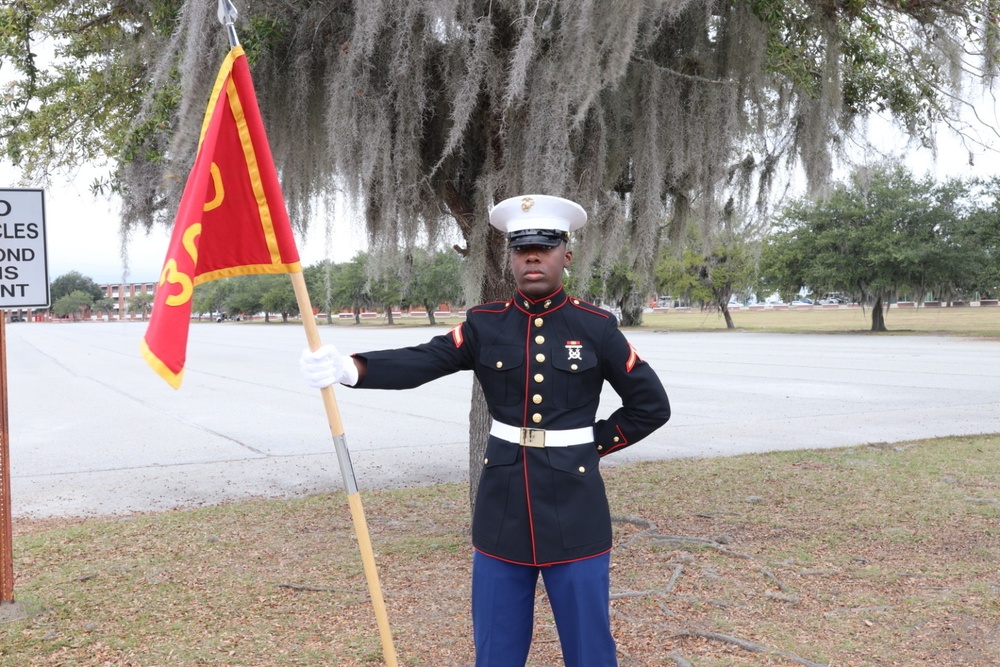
(538, 437)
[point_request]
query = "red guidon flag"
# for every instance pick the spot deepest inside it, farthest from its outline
(231, 220)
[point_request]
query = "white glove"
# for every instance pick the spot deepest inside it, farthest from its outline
(326, 366)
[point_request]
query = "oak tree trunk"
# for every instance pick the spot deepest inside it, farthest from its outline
(878, 315)
(725, 313)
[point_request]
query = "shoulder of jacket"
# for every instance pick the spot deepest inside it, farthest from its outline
(585, 307)
(491, 307)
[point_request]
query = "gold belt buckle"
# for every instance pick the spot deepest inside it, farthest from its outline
(532, 437)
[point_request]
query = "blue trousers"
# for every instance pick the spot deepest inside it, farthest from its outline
(503, 606)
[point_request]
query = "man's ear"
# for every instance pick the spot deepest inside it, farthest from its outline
(569, 258)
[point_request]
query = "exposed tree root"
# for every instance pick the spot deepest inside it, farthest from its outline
(634, 520)
(678, 569)
(746, 645)
(302, 587)
(856, 610)
(814, 573)
(650, 533)
(635, 594)
(679, 659)
(714, 603)
(770, 575)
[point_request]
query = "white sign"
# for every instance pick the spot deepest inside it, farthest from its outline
(24, 271)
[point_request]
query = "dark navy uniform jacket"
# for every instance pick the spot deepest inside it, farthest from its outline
(541, 364)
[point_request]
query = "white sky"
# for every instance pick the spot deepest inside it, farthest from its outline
(978, 155)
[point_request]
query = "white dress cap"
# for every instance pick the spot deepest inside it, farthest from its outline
(551, 218)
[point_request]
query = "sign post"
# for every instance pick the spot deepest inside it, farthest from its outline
(24, 283)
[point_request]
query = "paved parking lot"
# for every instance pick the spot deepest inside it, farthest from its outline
(94, 431)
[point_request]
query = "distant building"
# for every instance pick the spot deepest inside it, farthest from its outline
(122, 292)
(119, 292)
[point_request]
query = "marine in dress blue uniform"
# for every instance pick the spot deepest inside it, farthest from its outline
(542, 358)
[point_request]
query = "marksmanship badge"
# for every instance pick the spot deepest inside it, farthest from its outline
(574, 347)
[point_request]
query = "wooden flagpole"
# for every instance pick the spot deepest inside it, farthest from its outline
(227, 16)
(347, 471)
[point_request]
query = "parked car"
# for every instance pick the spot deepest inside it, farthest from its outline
(16, 318)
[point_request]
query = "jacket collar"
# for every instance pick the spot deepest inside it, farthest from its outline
(539, 306)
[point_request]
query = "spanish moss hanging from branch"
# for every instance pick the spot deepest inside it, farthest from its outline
(422, 113)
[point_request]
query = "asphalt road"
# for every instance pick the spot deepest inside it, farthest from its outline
(94, 431)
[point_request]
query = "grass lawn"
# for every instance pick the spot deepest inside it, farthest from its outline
(875, 555)
(963, 321)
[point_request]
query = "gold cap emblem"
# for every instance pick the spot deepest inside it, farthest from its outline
(527, 203)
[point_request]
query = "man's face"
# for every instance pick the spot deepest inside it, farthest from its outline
(538, 269)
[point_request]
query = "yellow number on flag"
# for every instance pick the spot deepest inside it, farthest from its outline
(171, 275)
(220, 194)
(189, 236)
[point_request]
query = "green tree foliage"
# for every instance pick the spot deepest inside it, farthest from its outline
(385, 288)
(436, 279)
(428, 279)
(142, 303)
(212, 297)
(106, 305)
(247, 296)
(979, 237)
(278, 296)
(77, 74)
(678, 277)
(351, 288)
(619, 286)
(727, 270)
(321, 279)
(75, 304)
(880, 235)
(74, 281)
(433, 279)
(712, 270)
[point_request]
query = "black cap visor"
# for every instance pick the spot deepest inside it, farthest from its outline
(548, 238)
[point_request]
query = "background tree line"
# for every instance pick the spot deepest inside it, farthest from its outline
(425, 280)
(880, 236)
